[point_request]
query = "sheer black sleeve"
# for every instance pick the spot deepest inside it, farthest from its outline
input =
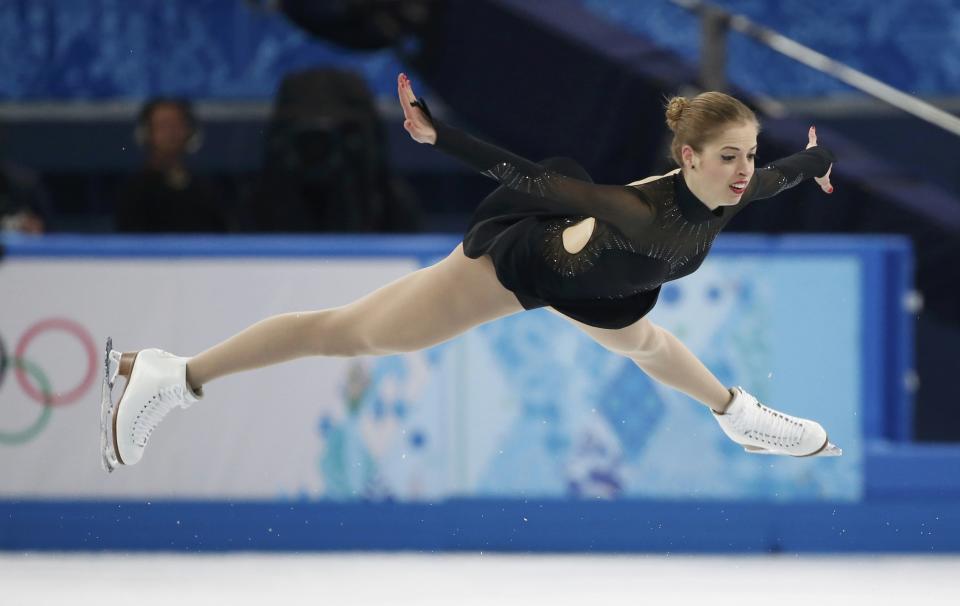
(620, 206)
(788, 172)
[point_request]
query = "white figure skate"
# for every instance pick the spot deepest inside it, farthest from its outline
(156, 384)
(763, 430)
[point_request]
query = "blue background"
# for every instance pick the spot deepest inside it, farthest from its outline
(223, 49)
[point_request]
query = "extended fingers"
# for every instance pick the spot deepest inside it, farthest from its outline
(405, 92)
(403, 99)
(823, 181)
(812, 137)
(407, 89)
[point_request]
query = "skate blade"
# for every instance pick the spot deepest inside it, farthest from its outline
(830, 450)
(111, 366)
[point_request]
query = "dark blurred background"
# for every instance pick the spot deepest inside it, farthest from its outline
(225, 116)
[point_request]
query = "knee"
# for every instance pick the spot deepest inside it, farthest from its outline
(333, 333)
(345, 333)
(649, 341)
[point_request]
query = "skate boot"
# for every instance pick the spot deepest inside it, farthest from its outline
(763, 430)
(156, 384)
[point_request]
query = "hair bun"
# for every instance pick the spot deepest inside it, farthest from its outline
(675, 108)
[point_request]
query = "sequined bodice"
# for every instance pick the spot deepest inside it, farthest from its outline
(644, 235)
(679, 241)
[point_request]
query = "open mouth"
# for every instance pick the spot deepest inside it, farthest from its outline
(738, 187)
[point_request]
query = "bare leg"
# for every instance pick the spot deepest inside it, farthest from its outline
(662, 356)
(421, 309)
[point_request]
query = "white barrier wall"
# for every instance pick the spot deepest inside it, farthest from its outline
(523, 407)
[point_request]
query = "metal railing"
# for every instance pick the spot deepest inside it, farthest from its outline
(716, 22)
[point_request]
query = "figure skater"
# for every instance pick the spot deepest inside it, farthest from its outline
(596, 255)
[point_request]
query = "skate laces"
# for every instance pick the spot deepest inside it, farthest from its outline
(768, 426)
(155, 410)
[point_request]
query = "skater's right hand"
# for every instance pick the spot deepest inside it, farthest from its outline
(414, 120)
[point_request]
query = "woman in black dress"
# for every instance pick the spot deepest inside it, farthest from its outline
(596, 255)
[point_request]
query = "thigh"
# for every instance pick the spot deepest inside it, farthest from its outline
(632, 340)
(430, 305)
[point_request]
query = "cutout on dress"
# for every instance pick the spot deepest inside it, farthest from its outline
(576, 237)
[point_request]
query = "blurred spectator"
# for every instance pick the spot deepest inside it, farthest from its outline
(325, 165)
(24, 204)
(165, 196)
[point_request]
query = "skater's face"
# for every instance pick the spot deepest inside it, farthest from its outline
(718, 174)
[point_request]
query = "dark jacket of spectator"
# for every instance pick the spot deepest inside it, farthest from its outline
(155, 201)
(24, 204)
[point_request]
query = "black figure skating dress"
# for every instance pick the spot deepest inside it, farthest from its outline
(644, 235)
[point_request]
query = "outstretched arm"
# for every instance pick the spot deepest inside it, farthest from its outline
(814, 161)
(619, 205)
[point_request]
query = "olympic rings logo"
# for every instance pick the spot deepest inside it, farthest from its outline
(39, 389)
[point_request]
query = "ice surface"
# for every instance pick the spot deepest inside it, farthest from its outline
(467, 579)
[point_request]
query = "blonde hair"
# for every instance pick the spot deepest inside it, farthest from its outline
(696, 121)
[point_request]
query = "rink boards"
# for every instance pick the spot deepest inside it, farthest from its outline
(521, 434)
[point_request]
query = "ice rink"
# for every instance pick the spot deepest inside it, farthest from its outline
(362, 579)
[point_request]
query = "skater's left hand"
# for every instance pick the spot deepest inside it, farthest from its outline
(823, 181)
